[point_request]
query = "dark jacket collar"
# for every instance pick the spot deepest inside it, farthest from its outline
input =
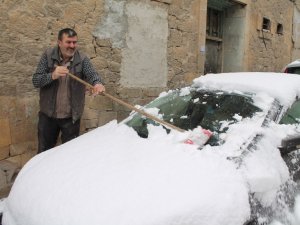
(56, 56)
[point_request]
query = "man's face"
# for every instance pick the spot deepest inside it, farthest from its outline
(67, 46)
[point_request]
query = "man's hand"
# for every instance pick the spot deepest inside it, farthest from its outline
(98, 89)
(60, 71)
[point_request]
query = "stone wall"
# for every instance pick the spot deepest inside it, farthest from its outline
(183, 41)
(268, 50)
(296, 32)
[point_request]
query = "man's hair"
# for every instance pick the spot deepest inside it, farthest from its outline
(68, 31)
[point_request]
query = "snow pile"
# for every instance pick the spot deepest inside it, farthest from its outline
(97, 179)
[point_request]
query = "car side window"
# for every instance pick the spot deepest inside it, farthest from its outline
(292, 115)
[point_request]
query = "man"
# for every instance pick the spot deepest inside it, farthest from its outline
(61, 97)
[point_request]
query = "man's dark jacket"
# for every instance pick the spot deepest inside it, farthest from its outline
(42, 78)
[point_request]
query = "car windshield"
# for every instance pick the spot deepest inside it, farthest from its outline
(214, 111)
(294, 70)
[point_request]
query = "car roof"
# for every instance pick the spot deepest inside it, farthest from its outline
(281, 86)
(295, 63)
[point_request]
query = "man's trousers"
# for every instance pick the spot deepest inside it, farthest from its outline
(49, 129)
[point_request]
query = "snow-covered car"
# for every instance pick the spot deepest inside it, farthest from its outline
(293, 67)
(138, 172)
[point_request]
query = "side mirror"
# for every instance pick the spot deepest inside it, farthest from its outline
(289, 144)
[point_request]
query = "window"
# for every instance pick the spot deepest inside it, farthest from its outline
(214, 23)
(292, 116)
(266, 24)
(279, 28)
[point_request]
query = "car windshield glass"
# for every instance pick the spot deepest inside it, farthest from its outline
(210, 110)
(295, 70)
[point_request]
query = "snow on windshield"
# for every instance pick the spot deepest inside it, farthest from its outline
(112, 176)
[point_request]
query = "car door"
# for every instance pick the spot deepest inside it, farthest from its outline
(290, 147)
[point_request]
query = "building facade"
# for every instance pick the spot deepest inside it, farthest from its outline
(140, 48)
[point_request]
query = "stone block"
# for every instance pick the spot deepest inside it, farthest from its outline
(3, 183)
(173, 23)
(100, 63)
(105, 117)
(141, 101)
(89, 124)
(109, 76)
(27, 108)
(114, 67)
(5, 191)
(99, 103)
(189, 77)
(27, 156)
(6, 53)
(188, 26)
(34, 50)
(179, 53)
(8, 105)
(18, 23)
(116, 56)
(190, 66)
(175, 38)
(82, 128)
(119, 107)
(87, 48)
(90, 113)
(53, 10)
(7, 88)
(23, 130)
(163, 1)
(10, 170)
(103, 42)
(122, 115)
(36, 9)
(265, 34)
(5, 136)
(23, 122)
(152, 92)
(20, 148)
(15, 160)
(131, 92)
(4, 152)
(104, 52)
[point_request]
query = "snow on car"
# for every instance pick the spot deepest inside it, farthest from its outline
(137, 172)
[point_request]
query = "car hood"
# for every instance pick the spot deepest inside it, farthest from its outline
(112, 176)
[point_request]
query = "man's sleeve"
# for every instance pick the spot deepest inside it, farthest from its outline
(90, 73)
(42, 77)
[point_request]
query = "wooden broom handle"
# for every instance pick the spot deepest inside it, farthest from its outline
(129, 106)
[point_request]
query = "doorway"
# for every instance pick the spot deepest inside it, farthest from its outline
(225, 36)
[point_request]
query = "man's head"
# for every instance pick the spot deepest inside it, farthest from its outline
(67, 42)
